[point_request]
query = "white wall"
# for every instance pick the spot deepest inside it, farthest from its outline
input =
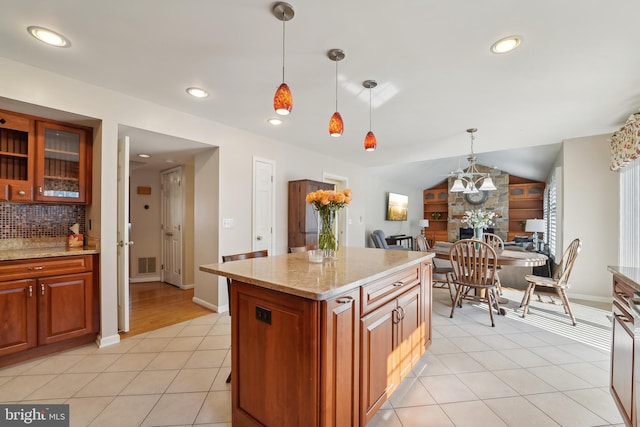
(590, 212)
(145, 223)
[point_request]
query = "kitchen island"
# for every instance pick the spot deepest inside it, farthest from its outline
(324, 344)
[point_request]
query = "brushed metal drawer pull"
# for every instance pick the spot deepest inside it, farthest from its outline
(30, 291)
(42, 289)
(398, 284)
(402, 313)
(38, 268)
(21, 193)
(345, 300)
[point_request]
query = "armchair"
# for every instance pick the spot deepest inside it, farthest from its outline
(378, 239)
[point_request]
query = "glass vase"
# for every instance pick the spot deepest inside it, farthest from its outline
(478, 234)
(327, 233)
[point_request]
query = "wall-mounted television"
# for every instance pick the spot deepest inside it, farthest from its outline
(397, 205)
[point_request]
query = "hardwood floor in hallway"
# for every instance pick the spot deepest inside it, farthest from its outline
(157, 304)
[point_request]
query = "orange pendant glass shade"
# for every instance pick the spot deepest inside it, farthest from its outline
(336, 126)
(370, 142)
(282, 101)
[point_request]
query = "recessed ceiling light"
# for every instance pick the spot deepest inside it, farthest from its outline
(274, 121)
(506, 44)
(197, 92)
(49, 37)
(144, 156)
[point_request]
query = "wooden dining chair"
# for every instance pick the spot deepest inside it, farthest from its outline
(440, 269)
(238, 257)
(474, 266)
(296, 249)
(559, 281)
(497, 244)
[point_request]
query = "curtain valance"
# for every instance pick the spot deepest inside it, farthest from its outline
(625, 143)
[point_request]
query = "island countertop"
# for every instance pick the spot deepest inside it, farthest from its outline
(631, 274)
(294, 274)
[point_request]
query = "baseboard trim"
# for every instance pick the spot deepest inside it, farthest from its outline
(107, 341)
(588, 297)
(144, 279)
(210, 306)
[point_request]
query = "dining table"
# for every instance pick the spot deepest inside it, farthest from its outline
(506, 257)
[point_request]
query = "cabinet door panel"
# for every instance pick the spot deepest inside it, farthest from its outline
(64, 307)
(17, 316)
(410, 330)
(16, 155)
(61, 172)
(379, 360)
(340, 361)
(622, 363)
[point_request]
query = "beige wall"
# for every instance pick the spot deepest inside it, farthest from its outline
(590, 212)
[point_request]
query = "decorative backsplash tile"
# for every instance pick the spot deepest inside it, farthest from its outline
(28, 221)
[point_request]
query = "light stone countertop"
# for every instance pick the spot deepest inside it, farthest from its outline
(47, 252)
(294, 274)
(632, 274)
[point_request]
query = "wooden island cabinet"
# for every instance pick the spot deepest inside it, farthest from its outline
(324, 344)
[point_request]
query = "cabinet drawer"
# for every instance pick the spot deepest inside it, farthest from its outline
(19, 192)
(621, 293)
(27, 269)
(14, 121)
(379, 292)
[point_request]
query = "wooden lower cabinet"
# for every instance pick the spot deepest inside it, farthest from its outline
(302, 362)
(18, 316)
(392, 342)
(43, 313)
(340, 356)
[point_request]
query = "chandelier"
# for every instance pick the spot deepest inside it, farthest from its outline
(470, 180)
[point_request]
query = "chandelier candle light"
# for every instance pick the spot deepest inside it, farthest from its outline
(467, 180)
(478, 220)
(327, 203)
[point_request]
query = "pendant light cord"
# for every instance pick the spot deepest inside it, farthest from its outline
(283, 21)
(336, 85)
(369, 109)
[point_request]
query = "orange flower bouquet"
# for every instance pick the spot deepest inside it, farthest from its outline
(327, 203)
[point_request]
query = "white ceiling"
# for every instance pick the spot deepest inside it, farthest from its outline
(575, 74)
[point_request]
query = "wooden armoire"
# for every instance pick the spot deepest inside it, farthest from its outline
(303, 221)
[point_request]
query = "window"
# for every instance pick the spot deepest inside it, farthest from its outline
(551, 213)
(629, 214)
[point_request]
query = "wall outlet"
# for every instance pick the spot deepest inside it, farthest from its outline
(227, 222)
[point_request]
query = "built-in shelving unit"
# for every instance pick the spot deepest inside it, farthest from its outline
(526, 201)
(436, 210)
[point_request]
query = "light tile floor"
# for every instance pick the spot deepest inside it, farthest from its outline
(473, 375)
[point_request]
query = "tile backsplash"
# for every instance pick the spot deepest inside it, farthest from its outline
(28, 221)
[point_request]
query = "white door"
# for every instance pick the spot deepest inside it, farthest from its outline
(341, 184)
(263, 204)
(123, 234)
(172, 225)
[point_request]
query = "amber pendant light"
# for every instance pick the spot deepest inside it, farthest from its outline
(370, 142)
(283, 101)
(336, 125)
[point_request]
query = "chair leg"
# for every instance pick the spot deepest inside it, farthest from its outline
(527, 298)
(498, 283)
(491, 300)
(455, 300)
(567, 307)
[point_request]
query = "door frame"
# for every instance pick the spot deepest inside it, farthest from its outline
(341, 183)
(254, 202)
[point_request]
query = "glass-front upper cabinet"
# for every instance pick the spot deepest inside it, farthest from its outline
(61, 167)
(16, 157)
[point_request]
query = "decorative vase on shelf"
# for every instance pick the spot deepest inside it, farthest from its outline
(327, 234)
